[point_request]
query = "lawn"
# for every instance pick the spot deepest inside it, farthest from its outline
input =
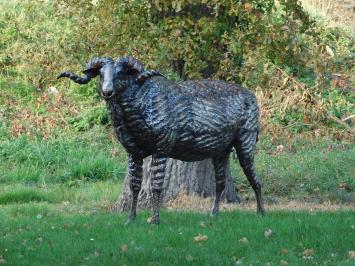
(62, 234)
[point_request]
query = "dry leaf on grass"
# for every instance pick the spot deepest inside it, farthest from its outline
(244, 240)
(268, 233)
(352, 254)
(329, 51)
(202, 224)
(308, 252)
(200, 238)
(284, 251)
(124, 248)
(283, 262)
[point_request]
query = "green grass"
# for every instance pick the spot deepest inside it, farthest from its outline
(311, 170)
(305, 169)
(87, 156)
(39, 234)
(80, 192)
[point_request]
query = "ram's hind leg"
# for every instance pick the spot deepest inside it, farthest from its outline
(135, 175)
(158, 173)
(220, 165)
(245, 148)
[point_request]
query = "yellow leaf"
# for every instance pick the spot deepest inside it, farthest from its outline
(308, 252)
(124, 248)
(329, 51)
(244, 240)
(268, 233)
(200, 238)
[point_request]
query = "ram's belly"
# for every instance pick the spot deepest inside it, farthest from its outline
(190, 146)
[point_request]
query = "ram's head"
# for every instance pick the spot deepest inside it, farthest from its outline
(115, 76)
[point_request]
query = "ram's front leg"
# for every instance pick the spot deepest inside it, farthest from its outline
(158, 173)
(135, 174)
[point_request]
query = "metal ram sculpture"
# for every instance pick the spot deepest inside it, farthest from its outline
(189, 121)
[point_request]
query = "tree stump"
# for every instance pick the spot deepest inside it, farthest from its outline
(191, 178)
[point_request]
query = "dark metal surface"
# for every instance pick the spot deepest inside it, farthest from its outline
(189, 121)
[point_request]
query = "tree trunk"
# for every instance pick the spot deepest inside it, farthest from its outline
(191, 178)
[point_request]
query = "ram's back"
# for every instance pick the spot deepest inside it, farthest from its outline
(192, 118)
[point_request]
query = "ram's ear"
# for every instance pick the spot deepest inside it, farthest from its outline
(142, 77)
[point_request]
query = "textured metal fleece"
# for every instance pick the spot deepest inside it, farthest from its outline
(190, 121)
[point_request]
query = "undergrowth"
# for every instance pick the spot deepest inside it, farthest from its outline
(300, 69)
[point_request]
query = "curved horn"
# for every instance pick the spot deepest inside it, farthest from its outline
(128, 65)
(93, 66)
(91, 70)
(77, 79)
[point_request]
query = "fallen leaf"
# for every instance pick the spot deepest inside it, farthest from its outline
(149, 220)
(280, 148)
(268, 233)
(244, 240)
(2, 260)
(329, 51)
(283, 262)
(247, 7)
(351, 254)
(52, 90)
(124, 248)
(345, 186)
(239, 262)
(285, 81)
(200, 238)
(189, 258)
(202, 224)
(308, 252)
(284, 251)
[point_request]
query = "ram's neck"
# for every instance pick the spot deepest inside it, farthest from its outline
(131, 99)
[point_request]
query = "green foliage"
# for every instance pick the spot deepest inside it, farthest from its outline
(213, 38)
(242, 41)
(338, 103)
(96, 115)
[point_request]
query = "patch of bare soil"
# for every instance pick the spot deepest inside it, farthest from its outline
(344, 12)
(197, 204)
(337, 13)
